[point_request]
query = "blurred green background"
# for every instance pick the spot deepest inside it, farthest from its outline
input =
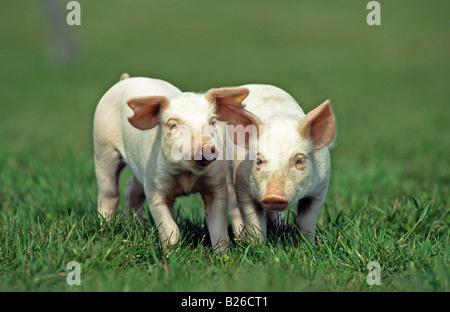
(389, 87)
(388, 84)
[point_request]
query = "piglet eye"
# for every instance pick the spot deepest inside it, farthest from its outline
(300, 161)
(172, 126)
(259, 160)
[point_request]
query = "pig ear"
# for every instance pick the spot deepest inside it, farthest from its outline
(228, 96)
(230, 108)
(319, 125)
(146, 111)
(229, 105)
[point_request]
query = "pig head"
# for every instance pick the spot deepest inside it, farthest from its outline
(192, 125)
(284, 169)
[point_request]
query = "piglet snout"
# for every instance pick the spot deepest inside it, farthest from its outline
(275, 198)
(205, 154)
(274, 202)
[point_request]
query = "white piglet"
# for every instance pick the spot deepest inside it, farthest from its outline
(172, 143)
(291, 163)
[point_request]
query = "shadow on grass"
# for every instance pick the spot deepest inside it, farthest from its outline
(195, 234)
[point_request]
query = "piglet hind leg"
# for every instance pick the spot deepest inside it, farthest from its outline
(108, 166)
(276, 219)
(135, 198)
(308, 211)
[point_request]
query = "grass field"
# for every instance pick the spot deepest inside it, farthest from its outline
(389, 86)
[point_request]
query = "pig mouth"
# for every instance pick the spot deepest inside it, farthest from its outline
(201, 163)
(274, 202)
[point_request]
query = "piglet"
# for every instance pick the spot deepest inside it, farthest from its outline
(172, 142)
(290, 164)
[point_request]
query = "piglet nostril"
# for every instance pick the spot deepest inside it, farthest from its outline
(208, 152)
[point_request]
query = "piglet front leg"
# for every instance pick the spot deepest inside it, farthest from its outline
(216, 206)
(308, 209)
(162, 212)
(254, 217)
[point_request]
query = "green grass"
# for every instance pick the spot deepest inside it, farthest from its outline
(388, 197)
